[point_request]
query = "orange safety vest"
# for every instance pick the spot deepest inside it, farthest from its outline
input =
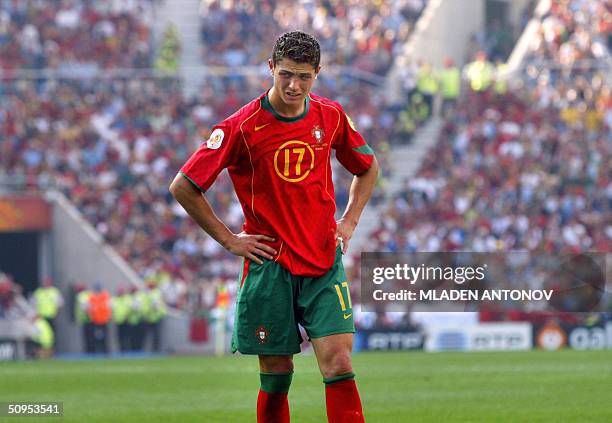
(223, 298)
(100, 308)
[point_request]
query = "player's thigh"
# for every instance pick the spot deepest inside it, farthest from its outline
(324, 303)
(265, 321)
(276, 363)
(333, 354)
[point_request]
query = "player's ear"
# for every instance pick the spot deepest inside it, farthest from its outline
(271, 66)
(317, 70)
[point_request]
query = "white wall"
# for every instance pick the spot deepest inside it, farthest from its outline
(444, 30)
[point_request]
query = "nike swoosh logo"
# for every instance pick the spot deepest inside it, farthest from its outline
(346, 316)
(257, 128)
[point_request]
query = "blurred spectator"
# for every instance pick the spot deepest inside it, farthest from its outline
(427, 85)
(100, 313)
(135, 319)
(121, 304)
(450, 85)
(479, 73)
(154, 311)
(13, 305)
(42, 338)
(500, 85)
(48, 300)
(169, 52)
(81, 316)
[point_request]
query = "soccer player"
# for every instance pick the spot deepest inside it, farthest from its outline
(277, 150)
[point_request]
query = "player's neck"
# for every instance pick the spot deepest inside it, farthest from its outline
(282, 108)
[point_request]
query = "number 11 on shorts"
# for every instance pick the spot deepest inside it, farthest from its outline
(341, 298)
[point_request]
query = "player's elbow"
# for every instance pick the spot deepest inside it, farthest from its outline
(375, 167)
(179, 187)
(183, 190)
(174, 186)
(372, 172)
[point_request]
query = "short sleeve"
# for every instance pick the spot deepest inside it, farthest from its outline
(351, 149)
(218, 152)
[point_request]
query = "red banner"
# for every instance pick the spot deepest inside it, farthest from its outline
(24, 213)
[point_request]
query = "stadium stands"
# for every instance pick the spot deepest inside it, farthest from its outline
(574, 31)
(77, 34)
(359, 33)
(489, 185)
(525, 169)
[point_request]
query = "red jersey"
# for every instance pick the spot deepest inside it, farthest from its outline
(281, 171)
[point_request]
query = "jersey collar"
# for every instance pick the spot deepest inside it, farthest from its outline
(265, 104)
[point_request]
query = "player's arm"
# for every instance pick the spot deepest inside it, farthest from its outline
(198, 207)
(359, 194)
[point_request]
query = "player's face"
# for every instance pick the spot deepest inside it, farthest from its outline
(293, 80)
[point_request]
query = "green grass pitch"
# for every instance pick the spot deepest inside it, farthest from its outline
(566, 386)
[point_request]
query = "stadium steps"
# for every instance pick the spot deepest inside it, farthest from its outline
(184, 14)
(405, 162)
(77, 253)
(521, 48)
(433, 39)
(407, 159)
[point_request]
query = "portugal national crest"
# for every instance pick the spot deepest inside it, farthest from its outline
(318, 133)
(262, 334)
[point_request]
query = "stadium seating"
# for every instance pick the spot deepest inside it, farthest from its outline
(487, 184)
(362, 34)
(574, 31)
(77, 34)
(525, 169)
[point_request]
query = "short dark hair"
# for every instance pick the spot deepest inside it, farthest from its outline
(297, 46)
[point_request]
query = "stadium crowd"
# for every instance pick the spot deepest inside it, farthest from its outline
(76, 33)
(361, 34)
(574, 31)
(526, 168)
(506, 174)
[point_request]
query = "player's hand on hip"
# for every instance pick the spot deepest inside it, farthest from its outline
(251, 247)
(344, 232)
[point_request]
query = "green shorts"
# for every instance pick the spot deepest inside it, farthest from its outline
(271, 302)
